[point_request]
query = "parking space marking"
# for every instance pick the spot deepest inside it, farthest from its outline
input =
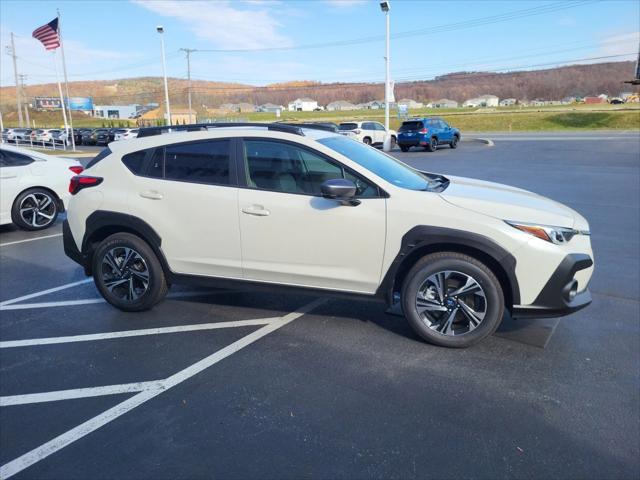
(62, 303)
(39, 453)
(30, 239)
(45, 292)
(135, 333)
(75, 393)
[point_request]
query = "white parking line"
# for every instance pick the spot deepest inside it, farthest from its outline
(77, 393)
(135, 333)
(45, 292)
(30, 239)
(39, 453)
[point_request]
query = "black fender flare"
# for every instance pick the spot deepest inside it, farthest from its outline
(424, 239)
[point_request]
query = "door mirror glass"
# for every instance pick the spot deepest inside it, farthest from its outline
(340, 189)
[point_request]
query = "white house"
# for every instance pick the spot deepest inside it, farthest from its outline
(340, 105)
(410, 103)
(508, 102)
(443, 103)
(302, 105)
(375, 105)
(270, 107)
(482, 101)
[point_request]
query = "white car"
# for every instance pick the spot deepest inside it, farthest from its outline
(298, 208)
(42, 135)
(126, 134)
(369, 133)
(34, 187)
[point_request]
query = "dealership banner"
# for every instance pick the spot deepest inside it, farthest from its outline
(48, 103)
(80, 103)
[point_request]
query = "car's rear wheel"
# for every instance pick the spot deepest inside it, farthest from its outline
(404, 148)
(366, 141)
(394, 142)
(128, 274)
(454, 142)
(35, 209)
(432, 146)
(452, 300)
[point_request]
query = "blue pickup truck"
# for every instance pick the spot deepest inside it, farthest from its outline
(427, 133)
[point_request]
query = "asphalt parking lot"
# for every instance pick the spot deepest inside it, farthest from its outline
(239, 384)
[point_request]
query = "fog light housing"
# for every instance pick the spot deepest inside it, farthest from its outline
(570, 290)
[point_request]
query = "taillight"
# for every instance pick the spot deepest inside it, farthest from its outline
(79, 182)
(424, 130)
(77, 169)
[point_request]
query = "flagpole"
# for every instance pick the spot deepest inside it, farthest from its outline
(64, 110)
(66, 85)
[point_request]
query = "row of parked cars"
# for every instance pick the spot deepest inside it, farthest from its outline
(82, 136)
(427, 133)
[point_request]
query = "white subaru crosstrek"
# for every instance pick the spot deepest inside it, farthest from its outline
(279, 206)
(33, 187)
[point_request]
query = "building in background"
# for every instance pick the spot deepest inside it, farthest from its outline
(482, 101)
(443, 103)
(508, 102)
(116, 112)
(270, 108)
(302, 105)
(340, 105)
(595, 100)
(410, 104)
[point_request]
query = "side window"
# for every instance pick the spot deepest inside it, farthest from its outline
(198, 162)
(155, 169)
(134, 161)
(368, 126)
(12, 159)
(282, 167)
(379, 127)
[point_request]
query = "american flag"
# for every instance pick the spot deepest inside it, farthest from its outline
(48, 35)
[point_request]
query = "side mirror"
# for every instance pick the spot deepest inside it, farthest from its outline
(340, 189)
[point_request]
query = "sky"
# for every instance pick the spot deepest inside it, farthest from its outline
(263, 42)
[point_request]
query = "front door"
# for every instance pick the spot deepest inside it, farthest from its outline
(292, 235)
(187, 192)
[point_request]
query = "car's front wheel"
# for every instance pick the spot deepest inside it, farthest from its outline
(452, 300)
(35, 209)
(128, 274)
(454, 142)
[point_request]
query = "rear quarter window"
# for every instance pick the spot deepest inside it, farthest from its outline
(135, 161)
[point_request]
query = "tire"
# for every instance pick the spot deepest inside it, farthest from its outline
(441, 319)
(123, 285)
(394, 142)
(366, 141)
(454, 142)
(403, 148)
(35, 209)
(432, 146)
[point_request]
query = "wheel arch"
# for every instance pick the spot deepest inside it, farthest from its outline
(424, 240)
(101, 224)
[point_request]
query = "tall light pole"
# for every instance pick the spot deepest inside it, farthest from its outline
(385, 6)
(189, 51)
(160, 30)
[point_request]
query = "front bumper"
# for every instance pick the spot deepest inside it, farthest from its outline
(559, 296)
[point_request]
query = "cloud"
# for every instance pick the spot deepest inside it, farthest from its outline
(223, 23)
(620, 44)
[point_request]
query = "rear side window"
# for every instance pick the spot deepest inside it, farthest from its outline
(12, 159)
(348, 126)
(135, 161)
(105, 152)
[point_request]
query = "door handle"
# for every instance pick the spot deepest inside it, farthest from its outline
(257, 210)
(151, 195)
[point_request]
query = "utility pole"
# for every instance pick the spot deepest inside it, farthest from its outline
(23, 91)
(15, 75)
(189, 51)
(385, 6)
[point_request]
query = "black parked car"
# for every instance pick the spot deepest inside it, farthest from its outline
(102, 136)
(87, 137)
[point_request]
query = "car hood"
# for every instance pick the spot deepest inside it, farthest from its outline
(507, 203)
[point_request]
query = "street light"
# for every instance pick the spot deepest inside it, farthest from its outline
(160, 30)
(385, 6)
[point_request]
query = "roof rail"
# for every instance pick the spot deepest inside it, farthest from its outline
(195, 127)
(326, 126)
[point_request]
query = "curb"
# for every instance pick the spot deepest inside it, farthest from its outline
(486, 141)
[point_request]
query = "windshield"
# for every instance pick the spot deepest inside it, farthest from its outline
(348, 126)
(385, 166)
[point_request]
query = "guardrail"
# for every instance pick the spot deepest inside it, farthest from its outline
(53, 144)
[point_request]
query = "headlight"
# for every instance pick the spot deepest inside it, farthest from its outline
(557, 235)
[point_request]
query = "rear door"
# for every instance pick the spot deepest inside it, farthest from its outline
(188, 193)
(292, 235)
